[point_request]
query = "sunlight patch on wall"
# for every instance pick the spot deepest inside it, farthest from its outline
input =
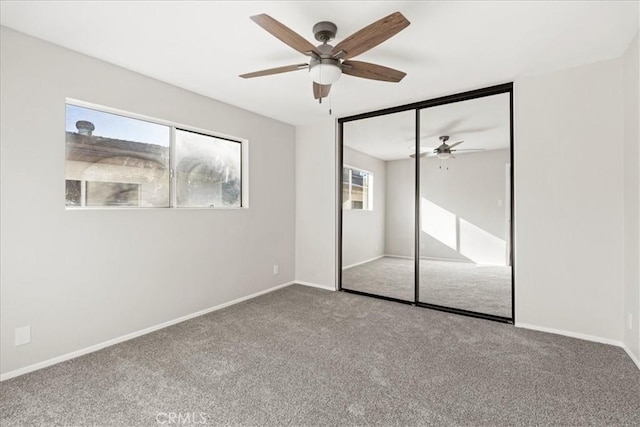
(439, 223)
(480, 246)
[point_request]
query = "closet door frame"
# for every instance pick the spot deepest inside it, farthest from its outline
(418, 107)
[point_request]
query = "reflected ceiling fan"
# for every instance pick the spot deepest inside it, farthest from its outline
(444, 150)
(329, 62)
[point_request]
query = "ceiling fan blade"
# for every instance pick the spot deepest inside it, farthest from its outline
(456, 130)
(455, 143)
(371, 35)
(367, 70)
(470, 149)
(285, 34)
(425, 153)
(320, 91)
(277, 70)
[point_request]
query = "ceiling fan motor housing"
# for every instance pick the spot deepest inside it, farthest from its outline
(325, 31)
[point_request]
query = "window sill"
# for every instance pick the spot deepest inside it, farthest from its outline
(131, 208)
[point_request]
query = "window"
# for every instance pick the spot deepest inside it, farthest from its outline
(114, 160)
(73, 192)
(207, 171)
(357, 189)
(117, 161)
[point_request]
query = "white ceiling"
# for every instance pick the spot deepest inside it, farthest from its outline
(449, 47)
(483, 123)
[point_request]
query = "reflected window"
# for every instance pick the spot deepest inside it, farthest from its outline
(208, 171)
(357, 189)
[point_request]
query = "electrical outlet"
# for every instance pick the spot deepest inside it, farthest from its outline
(276, 269)
(629, 320)
(23, 335)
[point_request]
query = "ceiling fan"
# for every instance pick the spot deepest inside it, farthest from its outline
(329, 62)
(444, 150)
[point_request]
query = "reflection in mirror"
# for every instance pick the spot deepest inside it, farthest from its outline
(378, 199)
(465, 197)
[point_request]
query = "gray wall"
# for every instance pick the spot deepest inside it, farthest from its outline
(631, 186)
(363, 231)
(80, 278)
(569, 201)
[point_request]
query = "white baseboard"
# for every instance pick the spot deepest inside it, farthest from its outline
(429, 258)
(432, 258)
(578, 335)
(632, 356)
(108, 343)
(315, 285)
(585, 337)
(399, 256)
(363, 262)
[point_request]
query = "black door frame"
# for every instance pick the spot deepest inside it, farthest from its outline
(418, 106)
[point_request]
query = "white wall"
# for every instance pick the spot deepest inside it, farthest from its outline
(315, 223)
(400, 215)
(471, 191)
(568, 200)
(363, 231)
(83, 277)
(631, 186)
(466, 193)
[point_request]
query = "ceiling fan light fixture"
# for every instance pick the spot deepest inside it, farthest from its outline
(444, 155)
(325, 71)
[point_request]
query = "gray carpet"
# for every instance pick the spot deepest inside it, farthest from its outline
(303, 356)
(484, 289)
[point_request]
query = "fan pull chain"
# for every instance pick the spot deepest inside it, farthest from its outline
(330, 96)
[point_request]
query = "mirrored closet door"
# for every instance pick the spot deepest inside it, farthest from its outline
(465, 215)
(426, 204)
(378, 206)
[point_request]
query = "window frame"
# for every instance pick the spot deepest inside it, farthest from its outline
(370, 185)
(173, 126)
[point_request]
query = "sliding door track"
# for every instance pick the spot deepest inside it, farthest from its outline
(466, 312)
(459, 311)
(367, 294)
